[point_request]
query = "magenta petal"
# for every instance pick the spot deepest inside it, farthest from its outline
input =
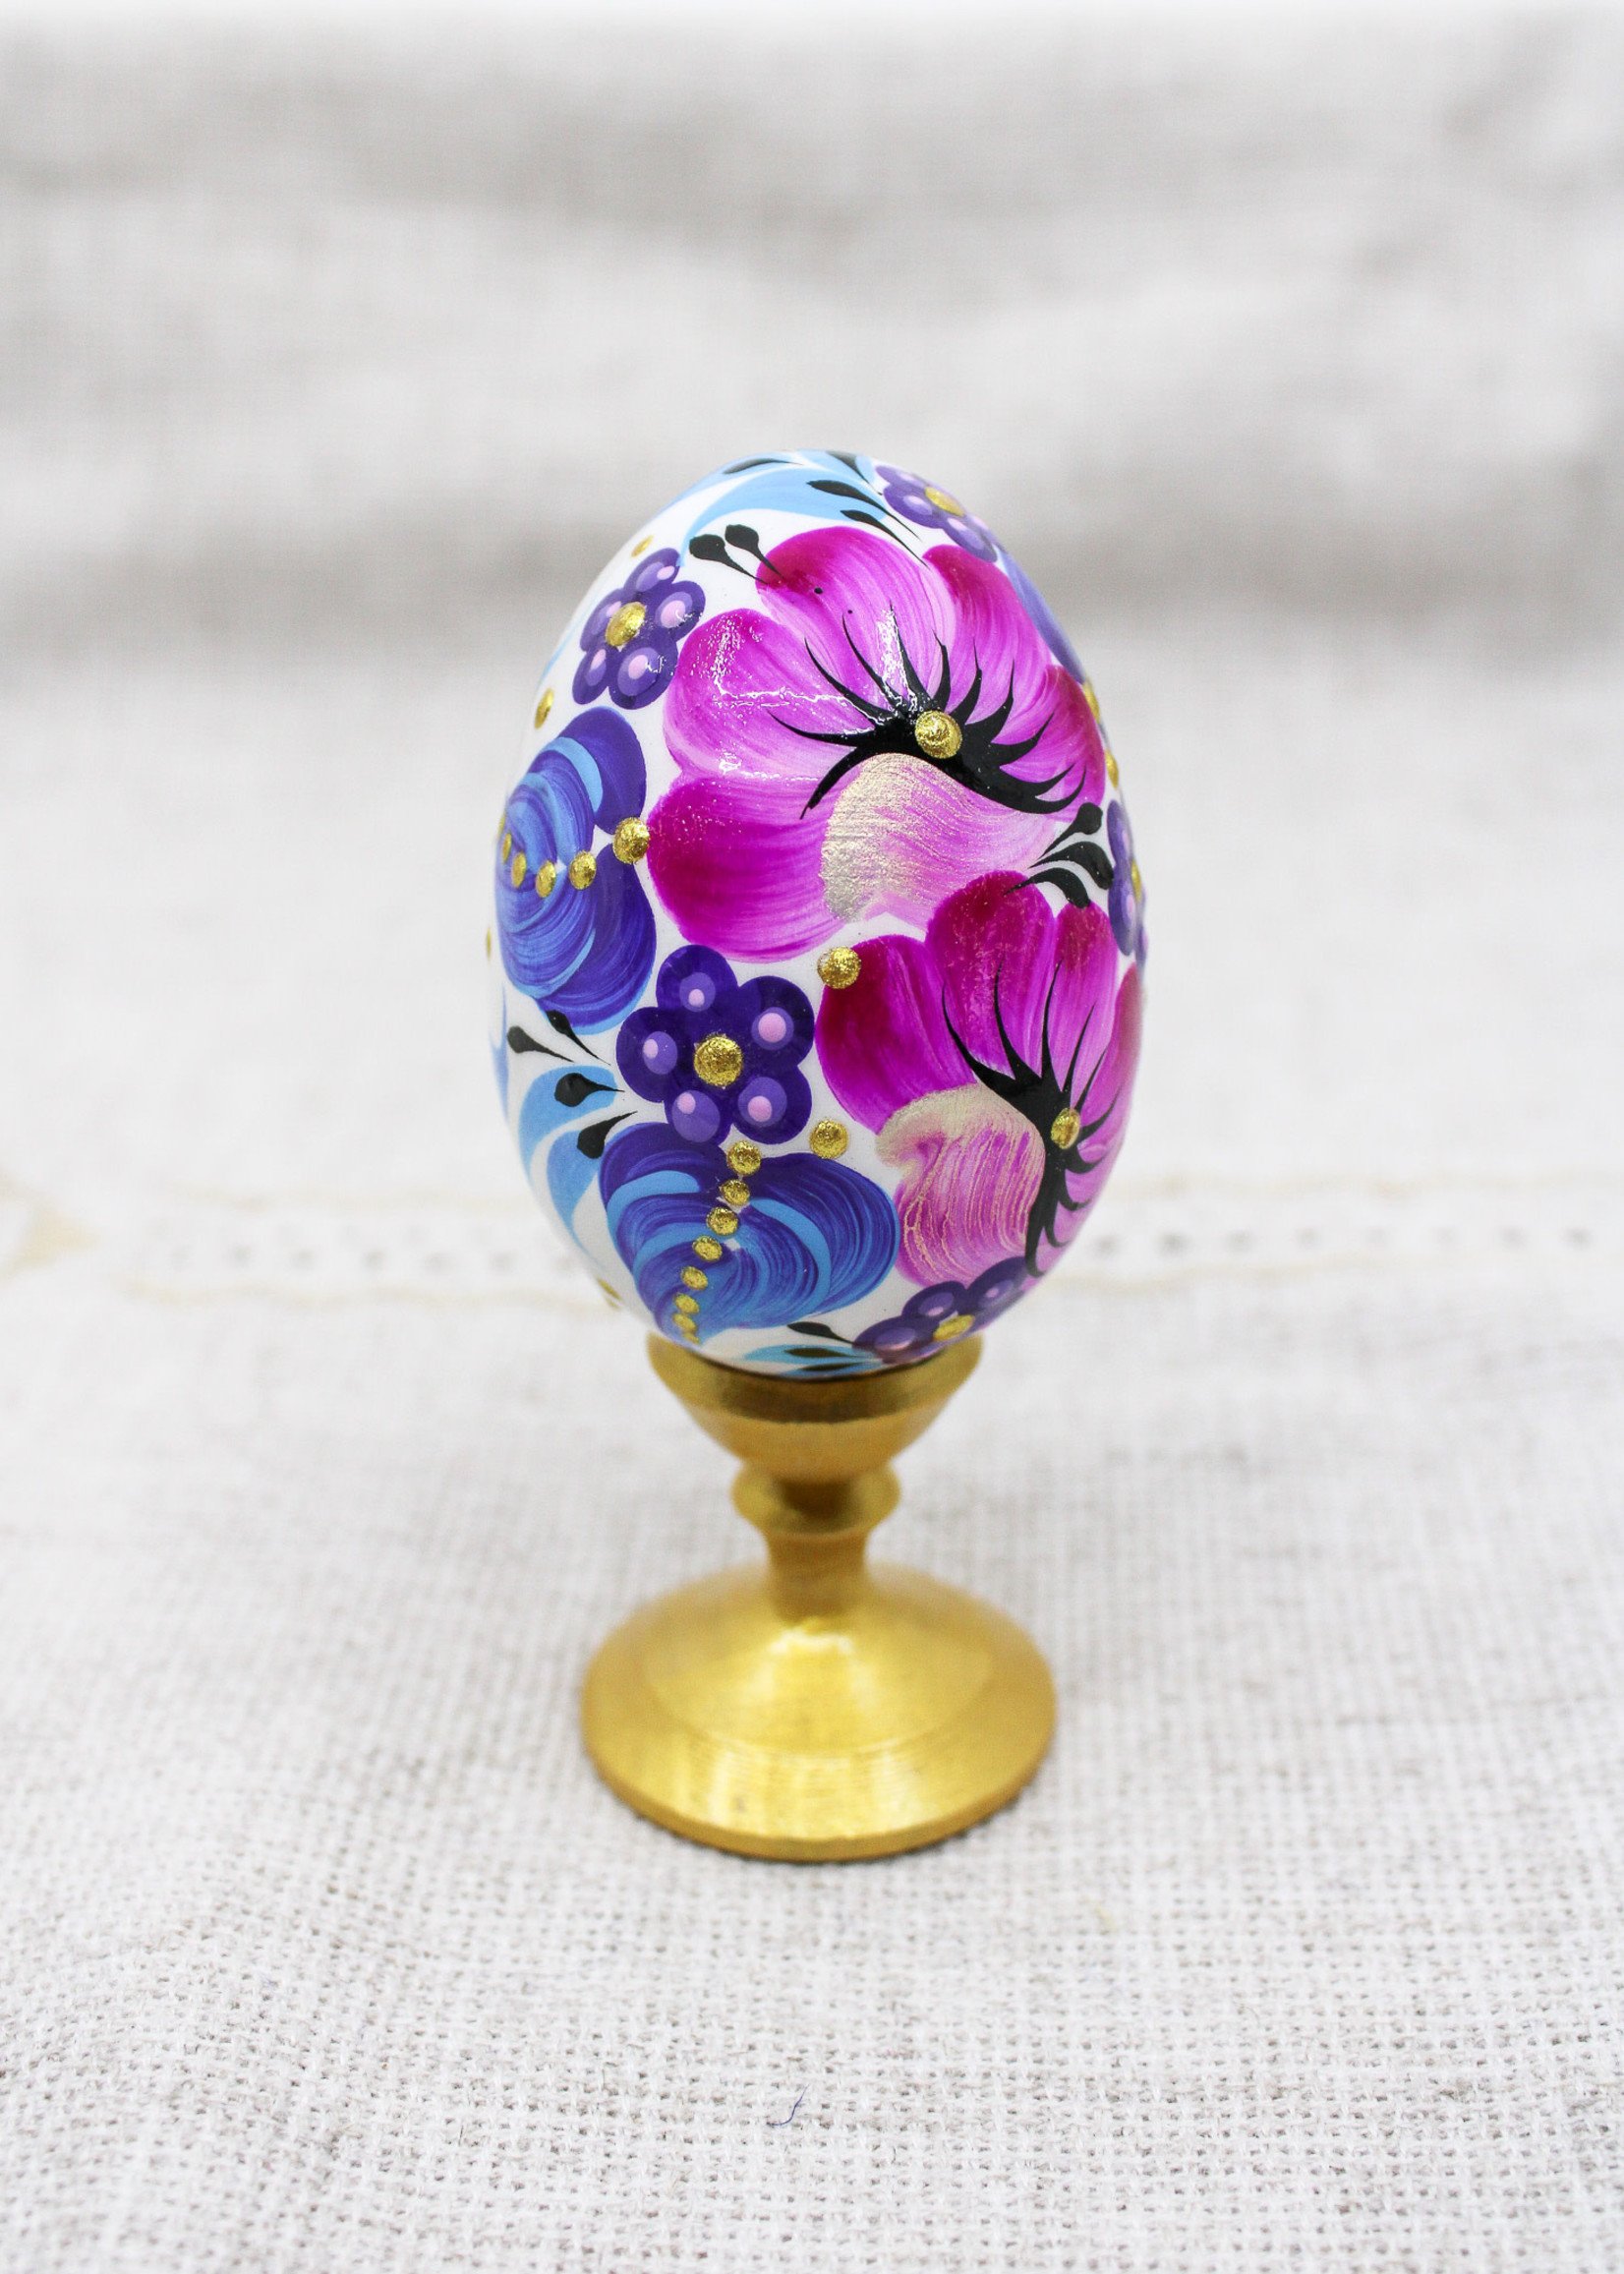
(1080, 1004)
(994, 945)
(860, 600)
(737, 864)
(882, 1040)
(743, 688)
(993, 633)
(970, 1173)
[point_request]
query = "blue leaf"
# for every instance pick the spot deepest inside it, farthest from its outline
(815, 1235)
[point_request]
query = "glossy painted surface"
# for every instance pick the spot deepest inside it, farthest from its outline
(818, 934)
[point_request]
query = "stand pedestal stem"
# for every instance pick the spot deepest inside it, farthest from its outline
(819, 1710)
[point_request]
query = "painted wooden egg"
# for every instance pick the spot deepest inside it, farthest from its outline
(818, 939)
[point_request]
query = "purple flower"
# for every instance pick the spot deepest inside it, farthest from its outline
(944, 1313)
(719, 1056)
(1125, 899)
(921, 501)
(629, 641)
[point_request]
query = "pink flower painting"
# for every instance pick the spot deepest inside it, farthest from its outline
(864, 739)
(995, 1061)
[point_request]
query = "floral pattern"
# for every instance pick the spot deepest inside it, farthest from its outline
(933, 507)
(630, 639)
(833, 855)
(874, 734)
(576, 930)
(719, 1056)
(995, 1059)
(810, 1235)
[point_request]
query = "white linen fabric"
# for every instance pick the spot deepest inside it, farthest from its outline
(1287, 352)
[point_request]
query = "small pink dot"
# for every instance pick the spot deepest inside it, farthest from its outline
(760, 1109)
(696, 997)
(686, 1102)
(772, 1026)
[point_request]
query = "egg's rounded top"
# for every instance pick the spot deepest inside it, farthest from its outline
(819, 931)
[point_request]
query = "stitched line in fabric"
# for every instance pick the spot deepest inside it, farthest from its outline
(303, 1249)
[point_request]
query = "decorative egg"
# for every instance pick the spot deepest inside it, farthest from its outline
(818, 939)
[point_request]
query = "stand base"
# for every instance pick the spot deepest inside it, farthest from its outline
(891, 1719)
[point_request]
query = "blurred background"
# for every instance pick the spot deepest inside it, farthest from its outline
(1286, 348)
(337, 350)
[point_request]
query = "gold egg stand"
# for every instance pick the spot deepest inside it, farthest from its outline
(817, 1708)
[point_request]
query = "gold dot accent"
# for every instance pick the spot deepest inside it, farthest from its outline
(1091, 699)
(516, 872)
(723, 1220)
(943, 499)
(687, 1305)
(544, 706)
(719, 1059)
(840, 967)
(610, 1295)
(641, 546)
(582, 869)
(488, 943)
(692, 1276)
(685, 1325)
(937, 735)
(951, 1328)
(631, 838)
(744, 1157)
(507, 843)
(1135, 880)
(1112, 772)
(1062, 1130)
(547, 876)
(736, 1192)
(829, 1139)
(626, 623)
(707, 1249)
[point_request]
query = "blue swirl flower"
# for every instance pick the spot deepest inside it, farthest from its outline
(719, 1056)
(813, 1235)
(629, 641)
(575, 925)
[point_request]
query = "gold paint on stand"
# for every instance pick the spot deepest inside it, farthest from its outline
(816, 1709)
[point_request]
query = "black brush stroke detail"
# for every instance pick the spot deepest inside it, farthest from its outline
(519, 1041)
(575, 1089)
(592, 1139)
(562, 1026)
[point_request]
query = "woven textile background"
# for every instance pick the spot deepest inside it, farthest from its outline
(1289, 353)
